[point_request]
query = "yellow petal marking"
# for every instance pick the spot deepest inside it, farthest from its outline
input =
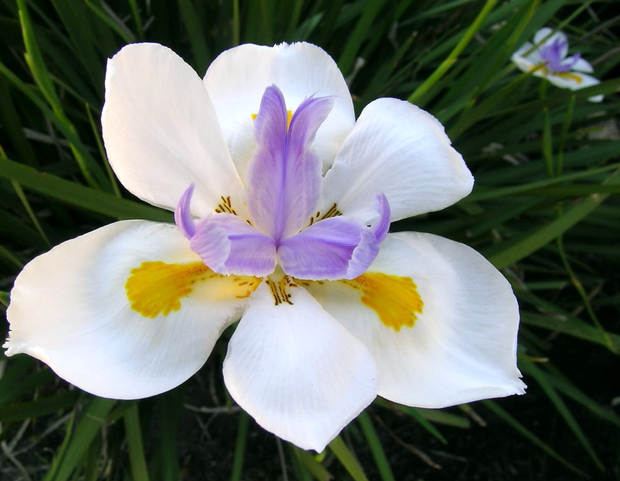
(157, 288)
(395, 299)
(573, 76)
(569, 75)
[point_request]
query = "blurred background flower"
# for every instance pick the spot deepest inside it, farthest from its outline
(544, 211)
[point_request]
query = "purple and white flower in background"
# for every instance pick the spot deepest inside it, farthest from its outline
(547, 57)
(282, 208)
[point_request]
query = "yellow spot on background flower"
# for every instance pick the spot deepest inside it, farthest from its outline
(572, 76)
(395, 299)
(157, 288)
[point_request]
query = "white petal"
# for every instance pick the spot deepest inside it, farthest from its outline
(539, 39)
(541, 35)
(462, 346)
(572, 80)
(583, 65)
(527, 58)
(575, 81)
(237, 79)
(69, 308)
(298, 372)
(403, 152)
(161, 132)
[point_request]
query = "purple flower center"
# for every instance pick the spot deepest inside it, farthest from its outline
(554, 55)
(283, 190)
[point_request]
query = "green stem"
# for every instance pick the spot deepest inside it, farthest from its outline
(547, 141)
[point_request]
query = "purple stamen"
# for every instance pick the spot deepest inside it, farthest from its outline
(283, 189)
(182, 215)
(552, 56)
(284, 176)
(382, 226)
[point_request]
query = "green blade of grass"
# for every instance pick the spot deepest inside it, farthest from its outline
(547, 139)
(374, 443)
(11, 258)
(79, 195)
(33, 218)
(92, 461)
(425, 423)
(301, 473)
(578, 329)
(316, 469)
(40, 407)
(438, 416)
(91, 171)
(77, 21)
(12, 390)
(44, 81)
(62, 451)
(114, 23)
(242, 437)
(542, 379)
(293, 20)
(345, 456)
(358, 35)
(566, 387)
(18, 228)
(133, 434)
(168, 408)
(196, 35)
(539, 237)
(550, 186)
(89, 425)
(517, 426)
(236, 24)
(136, 19)
(12, 124)
(18, 368)
(35, 60)
(453, 56)
(102, 153)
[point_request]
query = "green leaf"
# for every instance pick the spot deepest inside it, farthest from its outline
(573, 327)
(196, 34)
(78, 195)
(542, 379)
(452, 58)
(88, 427)
(40, 407)
(133, 434)
(345, 456)
(168, 411)
(359, 34)
(517, 426)
(242, 437)
(531, 241)
(316, 469)
(374, 443)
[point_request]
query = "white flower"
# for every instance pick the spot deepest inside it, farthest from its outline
(548, 58)
(333, 309)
